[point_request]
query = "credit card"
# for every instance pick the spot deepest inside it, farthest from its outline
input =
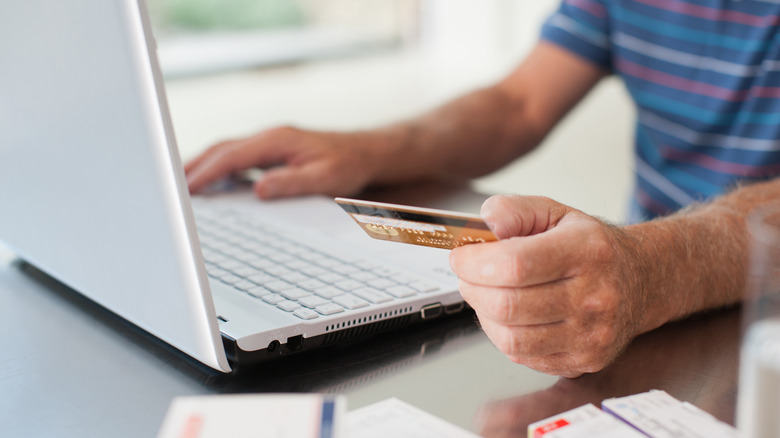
(416, 225)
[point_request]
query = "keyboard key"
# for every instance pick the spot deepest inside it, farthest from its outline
(313, 256)
(216, 272)
(288, 306)
(258, 291)
(348, 285)
(350, 301)
(345, 269)
(298, 265)
(363, 276)
(329, 309)
(328, 262)
(372, 295)
(244, 285)
(280, 257)
(294, 277)
(385, 272)
(401, 291)
(312, 284)
(235, 252)
(366, 265)
(305, 313)
(261, 263)
(294, 293)
(246, 271)
(231, 279)
(332, 277)
(230, 264)
(423, 287)
(273, 299)
(278, 285)
(312, 301)
(278, 270)
(381, 283)
(213, 256)
(314, 271)
(296, 250)
(404, 279)
(261, 278)
(249, 245)
(328, 292)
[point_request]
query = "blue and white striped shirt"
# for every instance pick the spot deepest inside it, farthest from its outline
(705, 76)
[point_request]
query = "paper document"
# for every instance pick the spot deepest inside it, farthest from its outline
(245, 416)
(659, 415)
(393, 418)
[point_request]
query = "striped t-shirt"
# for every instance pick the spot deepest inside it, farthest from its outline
(705, 76)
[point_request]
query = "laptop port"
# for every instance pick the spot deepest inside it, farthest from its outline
(454, 308)
(273, 347)
(294, 343)
(431, 311)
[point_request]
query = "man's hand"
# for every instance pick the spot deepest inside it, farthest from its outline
(509, 118)
(298, 162)
(558, 292)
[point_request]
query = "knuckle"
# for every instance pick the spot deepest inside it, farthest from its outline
(511, 269)
(283, 130)
(589, 363)
(598, 243)
(511, 343)
(598, 351)
(496, 205)
(604, 303)
(498, 200)
(545, 200)
(504, 309)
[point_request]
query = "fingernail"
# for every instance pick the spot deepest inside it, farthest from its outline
(267, 189)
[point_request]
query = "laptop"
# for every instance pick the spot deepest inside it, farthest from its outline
(93, 194)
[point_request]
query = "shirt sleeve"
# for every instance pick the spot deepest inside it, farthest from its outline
(581, 27)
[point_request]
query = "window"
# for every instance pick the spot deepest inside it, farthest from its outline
(204, 36)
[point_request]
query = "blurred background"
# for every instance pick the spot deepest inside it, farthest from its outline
(234, 67)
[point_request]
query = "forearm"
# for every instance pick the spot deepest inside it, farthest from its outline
(486, 129)
(468, 137)
(696, 259)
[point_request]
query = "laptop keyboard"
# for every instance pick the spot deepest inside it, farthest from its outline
(262, 262)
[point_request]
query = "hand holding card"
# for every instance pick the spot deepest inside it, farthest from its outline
(417, 226)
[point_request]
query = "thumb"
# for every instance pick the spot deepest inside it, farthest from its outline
(510, 216)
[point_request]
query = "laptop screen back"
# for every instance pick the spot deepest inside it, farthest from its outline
(90, 179)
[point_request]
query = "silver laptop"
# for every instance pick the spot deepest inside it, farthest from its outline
(93, 193)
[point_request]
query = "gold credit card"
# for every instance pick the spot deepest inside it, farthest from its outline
(417, 226)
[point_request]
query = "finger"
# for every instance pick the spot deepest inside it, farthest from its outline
(559, 349)
(217, 164)
(531, 341)
(290, 180)
(265, 149)
(565, 364)
(510, 216)
(519, 261)
(556, 364)
(198, 160)
(535, 305)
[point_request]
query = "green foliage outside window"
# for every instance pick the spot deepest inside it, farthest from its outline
(226, 14)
